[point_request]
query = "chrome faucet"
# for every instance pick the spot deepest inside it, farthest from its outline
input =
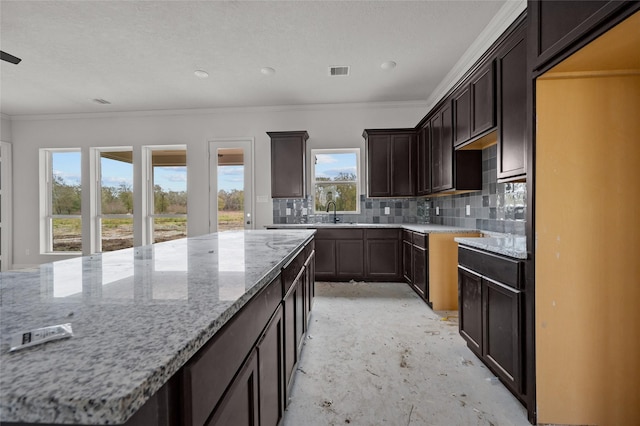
(335, 217)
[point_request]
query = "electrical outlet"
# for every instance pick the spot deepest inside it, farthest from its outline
(468, 211)
(288, 211)
(437, 211)
(304, 210)
(387, 210)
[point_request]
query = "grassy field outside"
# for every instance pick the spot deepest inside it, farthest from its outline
(118, 233)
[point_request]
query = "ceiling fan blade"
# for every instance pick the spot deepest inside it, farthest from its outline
(9, 58)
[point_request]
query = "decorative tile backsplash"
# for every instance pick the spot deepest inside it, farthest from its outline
(499, 207)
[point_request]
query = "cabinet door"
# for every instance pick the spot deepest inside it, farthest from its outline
(407, 257)
(311, 283)
(420, 271)
(502, 348)
(446, 149)
(350, 259)
(424, 160)
(556, 25)
(462, 116)
(239, 407)
(301, 317)
(483, 115)
(512, 105)
(470, 309)
(325, 259)
(436, 153)
(383, 259)
(379, 165)
(402, 165)
(271, 372)
(288, 161)
(291, 306)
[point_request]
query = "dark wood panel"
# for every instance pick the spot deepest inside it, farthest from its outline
(470, 309)
(383, 234)
(403, 165)
(379, 165)
(446, 148)
(502, 344)
(512, 99)
(468, 170)
(339, 233)
(240, 405)
(383, 259)
(271, 371)
(407, 261)
(462, 116)
(420, 273)
(420, 240)
(424, 160)
(350, 259)
(325, 259)
(483, 116)
(288, 164)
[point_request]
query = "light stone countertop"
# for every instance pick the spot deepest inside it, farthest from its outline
(426, 228)
(508, 245)
(138, 315)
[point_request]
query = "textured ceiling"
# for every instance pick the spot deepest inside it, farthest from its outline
(141, 55)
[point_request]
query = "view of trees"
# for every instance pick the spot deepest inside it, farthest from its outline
(66, 198)
(341, 189)
(171, 202)
(230, 200)
(117, 200)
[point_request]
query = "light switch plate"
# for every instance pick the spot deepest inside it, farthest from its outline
(468, 210)
(437, 211)
(288, 211)
(387, 210)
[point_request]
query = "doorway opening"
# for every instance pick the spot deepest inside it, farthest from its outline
(231, 185)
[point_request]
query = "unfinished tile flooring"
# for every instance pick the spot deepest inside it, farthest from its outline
(376, 354)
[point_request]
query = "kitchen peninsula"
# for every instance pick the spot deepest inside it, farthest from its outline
(161, 332)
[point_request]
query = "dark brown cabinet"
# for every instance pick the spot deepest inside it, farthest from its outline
(459, 170)
(511, 63)
(490, 312)
(416, 262)
(344, 254)
(423, 184)
(474, 106)
(271, 371)
(442, 150)
(383, 254)
(391, 162)
(288, 164)
(560, 27)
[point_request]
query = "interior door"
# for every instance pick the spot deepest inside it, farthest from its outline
(231, 184)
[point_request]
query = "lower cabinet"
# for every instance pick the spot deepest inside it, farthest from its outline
(490, 312)
(415, 258)
(371, 254)
(243, 375)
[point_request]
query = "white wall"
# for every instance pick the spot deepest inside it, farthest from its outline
(5, 129)
(329, 126)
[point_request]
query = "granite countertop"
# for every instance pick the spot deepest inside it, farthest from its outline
(426, 228)
(509, 245)
(138, 315)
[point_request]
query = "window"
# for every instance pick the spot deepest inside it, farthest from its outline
(114, 178)
(166, 193)
(335, 177)
(60, 200)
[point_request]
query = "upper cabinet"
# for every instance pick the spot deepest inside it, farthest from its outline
(474, 111)
(560, 27)
(391, 162)
(511, 64)
(423, 185)
(288, 164)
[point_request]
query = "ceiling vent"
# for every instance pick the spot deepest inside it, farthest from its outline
(341, 70)
(101, 101)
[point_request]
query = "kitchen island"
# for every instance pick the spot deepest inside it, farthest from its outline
(146, 322)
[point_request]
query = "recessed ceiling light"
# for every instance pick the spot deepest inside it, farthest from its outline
(268, 71)
(389, 65)
(201, 73)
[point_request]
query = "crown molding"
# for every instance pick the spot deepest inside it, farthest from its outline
(225, 110)
(507, 14)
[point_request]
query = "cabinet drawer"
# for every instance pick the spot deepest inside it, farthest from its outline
(208, 374)
(420, 240)
(407, 236)
(383, 234)
(340, 234)
(499, 268)
(291, 270)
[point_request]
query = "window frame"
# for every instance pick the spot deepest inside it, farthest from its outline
(357, 182)
(46, 201)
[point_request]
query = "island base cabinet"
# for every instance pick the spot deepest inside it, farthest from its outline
(270, 367)
(239, 407)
